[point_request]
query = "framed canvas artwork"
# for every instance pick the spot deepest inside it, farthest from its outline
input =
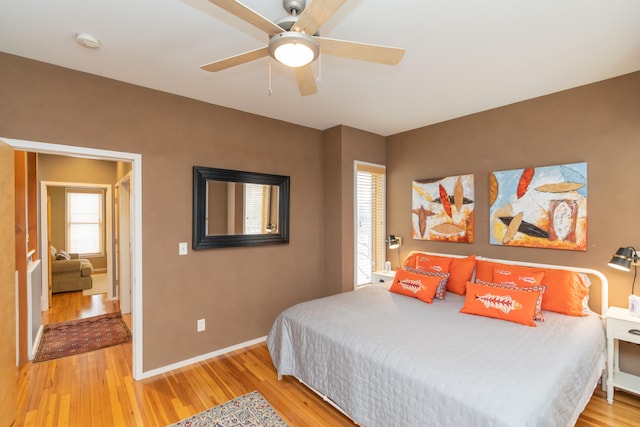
(541, 207)
(443, 209)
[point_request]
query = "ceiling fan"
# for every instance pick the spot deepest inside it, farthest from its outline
(294, 41)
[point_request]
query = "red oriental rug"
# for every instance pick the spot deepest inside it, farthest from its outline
(80, 336)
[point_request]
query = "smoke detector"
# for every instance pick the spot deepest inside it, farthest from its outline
(87, 40)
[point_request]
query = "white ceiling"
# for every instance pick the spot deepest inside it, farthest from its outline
(461, 56)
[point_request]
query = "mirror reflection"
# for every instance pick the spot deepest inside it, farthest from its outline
(237, 208)
(241, 208)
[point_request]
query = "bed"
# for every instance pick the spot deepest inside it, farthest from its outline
(385, 359)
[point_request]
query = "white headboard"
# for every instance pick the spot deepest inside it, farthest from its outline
(604, 283)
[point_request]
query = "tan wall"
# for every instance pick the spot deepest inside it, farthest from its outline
(173, 134)
(343, 145)
(122, 168)
(598, 124)
(55, 168)
(332, 208)
(57, 219)
(239, 291)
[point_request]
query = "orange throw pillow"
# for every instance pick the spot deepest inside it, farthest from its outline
(484, 270)
(415, 285)
(410, 261)
(441, 291)
(433, 263)
(516, 276)
(460, 270)
(499, 302)
(520, 277)
(565, 292)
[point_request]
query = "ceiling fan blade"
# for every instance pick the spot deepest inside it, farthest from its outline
(232, 61)
(316, 14)
(306, 80)
(362, 51)
(249, 15)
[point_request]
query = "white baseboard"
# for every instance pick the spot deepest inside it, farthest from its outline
(187, 362)
(36, 342)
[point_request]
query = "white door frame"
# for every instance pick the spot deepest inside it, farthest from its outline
(124, 243)
(44, 232)
(136, 244)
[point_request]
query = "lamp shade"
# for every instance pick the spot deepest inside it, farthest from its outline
(621, 260)
(394, 242)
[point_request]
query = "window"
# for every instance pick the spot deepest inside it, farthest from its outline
(85, 222)
(261, 208)
(255, 212)
(369, 221)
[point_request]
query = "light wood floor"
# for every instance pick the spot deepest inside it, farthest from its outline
(96, 388)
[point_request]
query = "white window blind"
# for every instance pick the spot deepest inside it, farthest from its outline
(85, 223)
(369, 220)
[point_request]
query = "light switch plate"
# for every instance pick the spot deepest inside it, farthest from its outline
(182, 248)
(201, 325)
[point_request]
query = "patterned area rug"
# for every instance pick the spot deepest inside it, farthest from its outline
(250, 410)
(79, 336)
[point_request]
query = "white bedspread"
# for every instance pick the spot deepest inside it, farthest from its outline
(390, 360)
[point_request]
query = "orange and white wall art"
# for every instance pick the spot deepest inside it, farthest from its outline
(542, 207)
(443, 209)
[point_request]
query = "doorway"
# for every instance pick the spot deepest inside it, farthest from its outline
(47, 188)
(135, 223)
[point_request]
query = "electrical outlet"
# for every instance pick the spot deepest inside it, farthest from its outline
(182, 248)
(201, 325)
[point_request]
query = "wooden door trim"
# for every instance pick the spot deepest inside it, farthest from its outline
(136, 193)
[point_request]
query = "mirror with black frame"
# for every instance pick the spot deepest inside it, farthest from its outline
(235, 208)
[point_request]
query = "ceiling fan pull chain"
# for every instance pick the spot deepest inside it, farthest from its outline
(320, 78)
(269, 91)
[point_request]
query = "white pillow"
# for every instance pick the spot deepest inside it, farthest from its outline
(63, 255)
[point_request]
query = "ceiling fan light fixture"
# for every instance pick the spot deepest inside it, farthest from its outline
(293, 49)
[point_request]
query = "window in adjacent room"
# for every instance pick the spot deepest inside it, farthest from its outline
(369, 220)
(85, 222)
(255, 208)
(261, 208)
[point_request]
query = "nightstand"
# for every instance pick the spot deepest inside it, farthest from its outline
(383, 278)
(621, 325)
